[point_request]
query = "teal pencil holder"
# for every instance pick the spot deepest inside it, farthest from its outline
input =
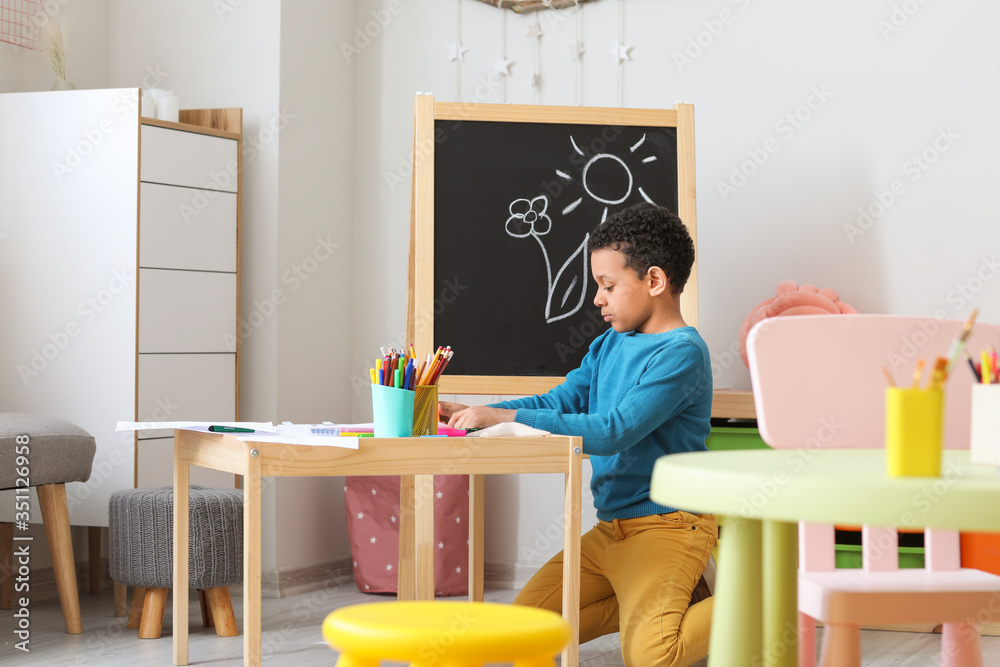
(392, 411)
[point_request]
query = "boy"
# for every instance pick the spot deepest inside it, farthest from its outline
(643, 390)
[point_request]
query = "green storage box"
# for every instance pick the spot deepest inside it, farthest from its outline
(734, 437)
(849, 556)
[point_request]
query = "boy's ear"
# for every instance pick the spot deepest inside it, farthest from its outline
(657, 280)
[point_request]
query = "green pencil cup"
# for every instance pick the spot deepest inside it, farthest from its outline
(392, 411)
(425, 410)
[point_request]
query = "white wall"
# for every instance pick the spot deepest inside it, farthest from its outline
(224, 54)
(884, 85)
(24, 70)
(279, 62)
(315, 235)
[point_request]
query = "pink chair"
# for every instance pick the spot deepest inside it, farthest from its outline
(812, 370)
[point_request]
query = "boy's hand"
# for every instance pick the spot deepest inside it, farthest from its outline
(446, 409)
(480, 416)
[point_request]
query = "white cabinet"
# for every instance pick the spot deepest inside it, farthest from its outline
(119, 261)
(188, 289)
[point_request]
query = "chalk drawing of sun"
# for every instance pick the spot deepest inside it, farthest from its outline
(606, 178)
(609, 181)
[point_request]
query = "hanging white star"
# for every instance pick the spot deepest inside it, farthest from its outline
(575, 50)
(456, 51)
(620, 51)
(502, 66)
(536, 80)
(534, 30)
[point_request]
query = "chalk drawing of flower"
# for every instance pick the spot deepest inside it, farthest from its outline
(529, 217)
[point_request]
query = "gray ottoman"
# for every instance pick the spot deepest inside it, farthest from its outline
(141, 526)
(56, 452)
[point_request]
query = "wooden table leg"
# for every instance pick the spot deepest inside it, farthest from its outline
(780, 596)
(406, 571)
(181, 498)
(477, 536)
(736, 619)
(423, 510)
(251, 562)
(571, 552)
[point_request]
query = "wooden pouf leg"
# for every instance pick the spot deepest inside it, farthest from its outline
(221, 607)
(55, 513)
(121, 599)
(138, 597)
(151, 625)
(206, 610)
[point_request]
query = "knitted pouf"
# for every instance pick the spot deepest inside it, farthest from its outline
(142, 537)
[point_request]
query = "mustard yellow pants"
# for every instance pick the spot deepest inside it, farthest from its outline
(636, 577)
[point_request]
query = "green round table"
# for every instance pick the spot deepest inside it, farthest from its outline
(761, 495)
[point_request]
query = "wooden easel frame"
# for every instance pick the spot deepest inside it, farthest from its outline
(420, 294)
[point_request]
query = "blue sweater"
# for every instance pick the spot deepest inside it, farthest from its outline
(634, 398)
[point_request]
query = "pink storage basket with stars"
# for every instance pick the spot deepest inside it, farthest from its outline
(372, 505)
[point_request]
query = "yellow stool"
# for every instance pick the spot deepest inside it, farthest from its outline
(446, 634)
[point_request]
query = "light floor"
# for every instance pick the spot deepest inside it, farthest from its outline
(292, 637)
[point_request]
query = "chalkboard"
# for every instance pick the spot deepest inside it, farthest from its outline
(515, 195)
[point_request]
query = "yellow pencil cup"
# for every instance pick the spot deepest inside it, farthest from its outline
(914, 432)
(425, 410)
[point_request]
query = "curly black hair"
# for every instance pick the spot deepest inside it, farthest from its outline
(648, 236)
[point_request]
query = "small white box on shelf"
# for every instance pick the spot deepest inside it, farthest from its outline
(986, 424)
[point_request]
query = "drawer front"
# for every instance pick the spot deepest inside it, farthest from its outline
(156, 467)
(176, 157)
(186, 228)
(182, 387)
(186, 311)
(186, 387)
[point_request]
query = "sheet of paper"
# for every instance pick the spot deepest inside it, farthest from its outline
(507, 429)
(286, 432)
(140, 426)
